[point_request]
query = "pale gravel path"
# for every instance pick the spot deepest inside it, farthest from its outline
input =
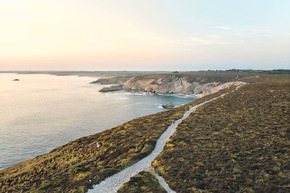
(113, 183)
(163, 183)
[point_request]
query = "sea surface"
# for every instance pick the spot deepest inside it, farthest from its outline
(41, 112)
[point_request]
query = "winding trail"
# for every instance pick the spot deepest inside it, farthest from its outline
(113, 183)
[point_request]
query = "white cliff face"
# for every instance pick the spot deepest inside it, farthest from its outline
(163, 85)
(173, 85)
(212, 88)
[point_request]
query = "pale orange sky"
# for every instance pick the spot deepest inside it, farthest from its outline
(143, 35)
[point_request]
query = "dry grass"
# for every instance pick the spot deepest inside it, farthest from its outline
(238, 143)
(142, 182)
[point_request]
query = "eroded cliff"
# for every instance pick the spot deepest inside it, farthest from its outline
(177, 84)
(187, 83)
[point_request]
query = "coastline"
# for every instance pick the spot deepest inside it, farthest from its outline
(115, 154)
(42, 112)
(82, 174)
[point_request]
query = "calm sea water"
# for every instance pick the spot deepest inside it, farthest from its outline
(41, 112)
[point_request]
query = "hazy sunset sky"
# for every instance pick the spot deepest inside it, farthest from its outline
(144, 34)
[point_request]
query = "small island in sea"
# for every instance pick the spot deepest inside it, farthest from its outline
(234, 138)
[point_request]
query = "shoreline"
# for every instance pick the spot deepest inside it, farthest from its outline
(140, 133)
(82, 118)
(125, 145)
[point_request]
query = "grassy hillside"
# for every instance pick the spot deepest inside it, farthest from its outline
(78, 165)
(238, 143)
(142, 182)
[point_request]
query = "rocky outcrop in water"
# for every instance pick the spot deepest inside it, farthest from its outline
(111, 88)
(168, 105)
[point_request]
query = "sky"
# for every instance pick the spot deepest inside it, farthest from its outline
(144, 34)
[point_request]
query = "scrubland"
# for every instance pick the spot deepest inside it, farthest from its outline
(238, 143)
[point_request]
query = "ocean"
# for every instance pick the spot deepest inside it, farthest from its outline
(41, 112)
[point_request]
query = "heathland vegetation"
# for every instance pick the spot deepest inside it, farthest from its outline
(78, 165)
(142, 182)
(236, 143)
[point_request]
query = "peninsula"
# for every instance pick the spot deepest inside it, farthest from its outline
(237, 142)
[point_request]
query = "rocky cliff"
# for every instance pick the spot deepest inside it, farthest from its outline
(197, 83)
(176, 84)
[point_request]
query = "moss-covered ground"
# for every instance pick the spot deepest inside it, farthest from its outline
(237, 143)
(142, 182)
(75, 167)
